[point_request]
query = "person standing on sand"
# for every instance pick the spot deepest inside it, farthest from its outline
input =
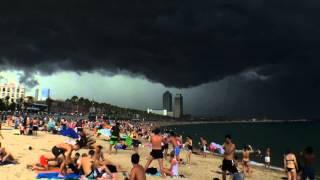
(309, 158)
(203, 143)
(176, 145)
(165, 146)
(115, 137)
(137, 171)
(267, 158)
(156, 153)
(290, 165)
(246, 159)
(228, 163)
(188, 145)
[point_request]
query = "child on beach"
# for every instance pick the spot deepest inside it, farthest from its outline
(173, 171)
(267, 158)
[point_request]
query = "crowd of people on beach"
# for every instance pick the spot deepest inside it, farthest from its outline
(164, 145)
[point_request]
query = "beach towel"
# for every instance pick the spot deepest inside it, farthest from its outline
(128, 141)
(69, 133)
(55, 175)
(105, 132)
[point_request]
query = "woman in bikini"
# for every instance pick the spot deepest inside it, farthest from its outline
(290, 165)
(246, 159)
(189, 148)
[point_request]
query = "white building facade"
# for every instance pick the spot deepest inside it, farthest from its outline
(13, 91)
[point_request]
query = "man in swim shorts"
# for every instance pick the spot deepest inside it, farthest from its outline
(156, 153)
(228, 163)
(175, 144)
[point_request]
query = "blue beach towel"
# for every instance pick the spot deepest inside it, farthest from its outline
(54, 175)
(69, 132)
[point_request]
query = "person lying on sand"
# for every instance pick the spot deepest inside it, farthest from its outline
(46, 161)
(6, 156)
(91, 171)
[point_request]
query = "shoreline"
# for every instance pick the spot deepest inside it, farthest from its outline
(162, 123)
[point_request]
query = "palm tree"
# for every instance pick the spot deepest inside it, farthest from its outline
(30, 99)
(74, 101)
(49, 102)
(7, 98)
(20, 102)
(2, 105)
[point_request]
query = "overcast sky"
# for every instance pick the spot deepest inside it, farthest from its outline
(236, 58)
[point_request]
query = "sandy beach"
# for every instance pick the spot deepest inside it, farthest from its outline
(201, 168)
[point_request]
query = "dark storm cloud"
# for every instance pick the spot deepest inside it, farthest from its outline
(176, 43)
(27, 78)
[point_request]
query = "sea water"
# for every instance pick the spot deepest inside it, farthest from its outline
(278, 136)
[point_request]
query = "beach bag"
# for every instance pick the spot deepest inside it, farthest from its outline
(152, 171)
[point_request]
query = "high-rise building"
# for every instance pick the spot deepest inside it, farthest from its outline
(36, 95)
(41, 94)
(167, 101)
(178, 106)
(12, 91)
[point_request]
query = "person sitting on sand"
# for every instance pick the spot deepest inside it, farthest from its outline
(228, 161)
(156, 153)
(246, 159)
(6, 156)
(290, 165)
(91, 171)
(100, 160)
(137, 171)
(173, 171)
